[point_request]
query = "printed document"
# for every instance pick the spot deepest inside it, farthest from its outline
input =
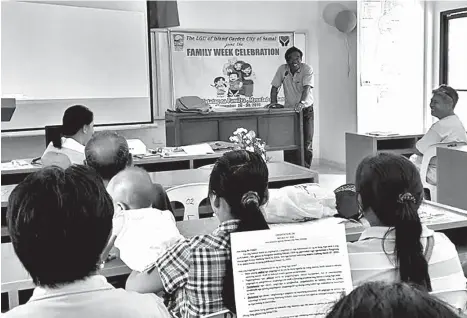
(290, 271)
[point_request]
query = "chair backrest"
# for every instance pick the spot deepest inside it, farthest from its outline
(51, 133)
(221, 314)
(52, 158)
(455, 298)
(190, 195)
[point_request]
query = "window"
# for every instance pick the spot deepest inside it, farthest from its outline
(453, 62)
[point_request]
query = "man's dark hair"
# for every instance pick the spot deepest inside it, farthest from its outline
(59, 222)
(108, 153)
(291, 50)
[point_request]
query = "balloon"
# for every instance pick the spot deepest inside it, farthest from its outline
(330, 12)
(346, 21)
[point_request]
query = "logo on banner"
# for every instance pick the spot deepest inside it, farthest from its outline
(284, 40)
(179, 42)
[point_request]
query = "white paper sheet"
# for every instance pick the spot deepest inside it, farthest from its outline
(290, 271)
(200, 149)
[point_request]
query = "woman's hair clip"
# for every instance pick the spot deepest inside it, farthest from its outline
(406, 197)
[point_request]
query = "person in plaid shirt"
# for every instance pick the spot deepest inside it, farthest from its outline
(196, 273)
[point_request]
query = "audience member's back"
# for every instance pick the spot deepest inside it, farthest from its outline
(390, 300)
(60, 222)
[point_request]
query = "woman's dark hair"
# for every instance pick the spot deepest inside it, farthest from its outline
(74, 118)
(59, 222)
(245, 66)
(391, 186)
(390, 300)
(291, 50)
(240, 177)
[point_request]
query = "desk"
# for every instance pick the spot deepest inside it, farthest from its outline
(280, 174)
(359, 146)
(14, 277)
(452, 176)
(280, 129)
(149, 163)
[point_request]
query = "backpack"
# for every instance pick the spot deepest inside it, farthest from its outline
(191, 104)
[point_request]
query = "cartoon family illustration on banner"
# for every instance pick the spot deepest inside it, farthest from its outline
(237, 80)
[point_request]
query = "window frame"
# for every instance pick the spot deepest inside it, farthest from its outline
(445, 18)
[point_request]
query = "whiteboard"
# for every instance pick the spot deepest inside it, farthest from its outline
(54, 56)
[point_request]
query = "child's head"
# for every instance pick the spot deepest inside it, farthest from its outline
(238, 65)
(443, 101)
(219, 81)
(132, 188)
(233, 77)
(246, 69)
(391, 192)
(389, 300)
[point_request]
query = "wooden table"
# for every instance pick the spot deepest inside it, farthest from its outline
(280, 129)
(280, 174)
(359, 146)
(452, 176)
(15, 278)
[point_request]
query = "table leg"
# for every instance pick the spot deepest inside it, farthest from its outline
(13, 299)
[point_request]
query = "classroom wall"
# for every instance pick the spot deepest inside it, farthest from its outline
(337, 88)
(335, 93)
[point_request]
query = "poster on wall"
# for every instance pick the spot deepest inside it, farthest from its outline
(227, 69)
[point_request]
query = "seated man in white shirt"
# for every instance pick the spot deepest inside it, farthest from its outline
(447, 129)
(60, 222)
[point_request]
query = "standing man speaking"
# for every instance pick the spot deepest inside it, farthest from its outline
(298, 80)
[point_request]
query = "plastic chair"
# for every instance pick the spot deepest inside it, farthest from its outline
(427, 156)
(190, 195)
(455, 298)
(53, 158)
(221, 314)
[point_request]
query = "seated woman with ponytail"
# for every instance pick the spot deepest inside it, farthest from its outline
(397, 247)
(76, 130)
(196, 273)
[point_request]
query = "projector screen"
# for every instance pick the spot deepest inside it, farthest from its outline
(55, 56)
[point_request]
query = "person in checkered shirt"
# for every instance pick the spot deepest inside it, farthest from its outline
(196, 274)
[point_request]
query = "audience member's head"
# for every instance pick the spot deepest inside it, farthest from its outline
(390, 300)
(391, 191)
(133, 188)
(443, 101)
(238, 187)
(59, 222)
(77, 123)
(108, 153)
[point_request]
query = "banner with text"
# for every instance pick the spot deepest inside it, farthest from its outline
(227, 69)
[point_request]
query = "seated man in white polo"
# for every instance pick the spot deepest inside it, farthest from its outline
(448, 128)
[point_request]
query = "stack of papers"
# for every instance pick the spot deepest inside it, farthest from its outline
(16, 164)
(382, 133)
(200, 149)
